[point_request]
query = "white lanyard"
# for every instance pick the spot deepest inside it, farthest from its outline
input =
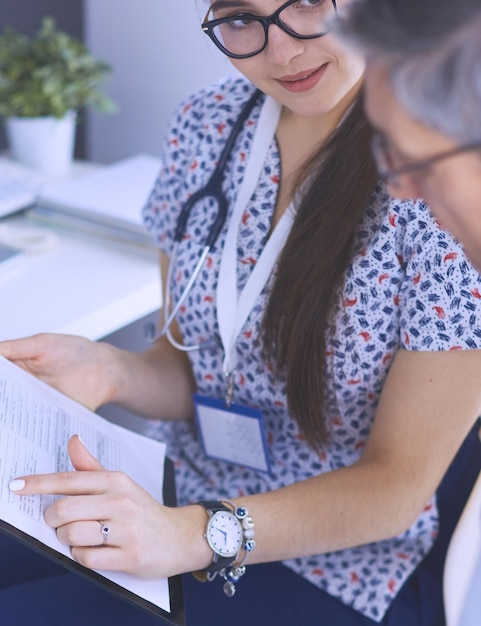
(233, 309)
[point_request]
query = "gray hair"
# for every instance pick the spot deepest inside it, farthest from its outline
(432, 49)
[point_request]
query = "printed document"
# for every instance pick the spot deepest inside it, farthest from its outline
(36, 422)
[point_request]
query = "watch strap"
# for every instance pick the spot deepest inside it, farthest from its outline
(214, 505)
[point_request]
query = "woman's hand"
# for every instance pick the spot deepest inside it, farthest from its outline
(75, 366)
(145, 538)
(157, 383)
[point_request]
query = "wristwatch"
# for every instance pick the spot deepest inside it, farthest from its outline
(224, 534)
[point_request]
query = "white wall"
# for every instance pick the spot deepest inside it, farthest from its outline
(159, 55)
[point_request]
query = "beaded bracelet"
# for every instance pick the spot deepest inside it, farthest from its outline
(242, 515)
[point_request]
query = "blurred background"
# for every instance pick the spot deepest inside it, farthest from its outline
(158, 54)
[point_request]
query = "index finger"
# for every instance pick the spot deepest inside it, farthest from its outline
(62, 483)
(21, 348)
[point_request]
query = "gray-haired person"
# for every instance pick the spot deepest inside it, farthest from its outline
(423, 97)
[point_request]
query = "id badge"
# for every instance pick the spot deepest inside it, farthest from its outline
(233, 433)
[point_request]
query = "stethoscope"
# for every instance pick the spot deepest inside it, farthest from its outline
(213, 190)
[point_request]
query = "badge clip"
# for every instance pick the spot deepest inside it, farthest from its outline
(229, 396)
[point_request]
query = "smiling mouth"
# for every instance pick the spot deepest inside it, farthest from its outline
(302, 81)
(295, 78)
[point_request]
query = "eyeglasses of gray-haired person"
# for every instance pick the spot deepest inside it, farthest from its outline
(241, 35)
(390, 172)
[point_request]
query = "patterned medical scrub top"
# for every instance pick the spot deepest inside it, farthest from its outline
(409, 286)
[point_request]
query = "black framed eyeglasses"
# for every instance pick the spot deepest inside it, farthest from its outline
(241, 35)
(387, 169)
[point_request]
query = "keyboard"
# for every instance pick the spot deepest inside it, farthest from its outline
(19, 186)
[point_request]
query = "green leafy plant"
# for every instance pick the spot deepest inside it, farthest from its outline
(48, 74)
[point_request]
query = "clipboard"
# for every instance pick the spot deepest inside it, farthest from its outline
(175, 617)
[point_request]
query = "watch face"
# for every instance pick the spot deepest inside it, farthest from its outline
(224, 533)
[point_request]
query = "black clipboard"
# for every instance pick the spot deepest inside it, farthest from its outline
(176, 617)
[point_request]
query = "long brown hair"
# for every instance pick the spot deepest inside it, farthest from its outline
(337, 185)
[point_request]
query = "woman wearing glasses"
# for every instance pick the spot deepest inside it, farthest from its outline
(342, 323)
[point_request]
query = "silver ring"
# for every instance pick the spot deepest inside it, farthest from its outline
(105, 531)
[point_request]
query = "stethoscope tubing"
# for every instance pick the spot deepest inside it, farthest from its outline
(213, 189)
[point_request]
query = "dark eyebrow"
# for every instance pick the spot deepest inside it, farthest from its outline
(229, 4)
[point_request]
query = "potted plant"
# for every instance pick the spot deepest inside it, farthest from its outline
(44, 81)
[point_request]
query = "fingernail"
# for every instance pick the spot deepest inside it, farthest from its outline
(79, 438)
(16, 484)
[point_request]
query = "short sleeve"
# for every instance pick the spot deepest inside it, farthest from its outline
(440, 300)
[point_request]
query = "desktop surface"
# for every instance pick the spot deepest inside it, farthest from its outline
(89, 286)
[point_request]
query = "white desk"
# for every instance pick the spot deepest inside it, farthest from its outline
(91, 287)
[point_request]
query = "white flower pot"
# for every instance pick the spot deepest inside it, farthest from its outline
(44, 143)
